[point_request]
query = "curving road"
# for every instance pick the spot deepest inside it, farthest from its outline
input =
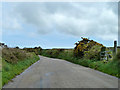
(56, 73)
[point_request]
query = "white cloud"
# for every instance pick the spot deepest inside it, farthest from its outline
(9, 19)
(11, 23)
(77, 19)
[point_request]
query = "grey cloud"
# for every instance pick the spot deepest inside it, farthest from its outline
(77, 19)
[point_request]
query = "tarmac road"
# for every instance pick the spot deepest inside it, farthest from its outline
(57, 73)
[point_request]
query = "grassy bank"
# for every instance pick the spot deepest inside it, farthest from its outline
(109, 67)
(14, 62)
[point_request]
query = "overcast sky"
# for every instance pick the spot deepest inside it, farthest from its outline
(59, 25)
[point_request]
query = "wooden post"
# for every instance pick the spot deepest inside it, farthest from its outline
(115, 47)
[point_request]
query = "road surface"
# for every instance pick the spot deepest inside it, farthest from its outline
(57, 73)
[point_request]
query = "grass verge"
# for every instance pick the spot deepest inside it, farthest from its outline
(10, 70)
(110, 67)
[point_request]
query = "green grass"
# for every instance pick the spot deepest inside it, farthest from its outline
(10, 70)
(111, 67)
(14, 62)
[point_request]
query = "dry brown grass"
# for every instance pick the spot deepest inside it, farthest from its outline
(13, 55)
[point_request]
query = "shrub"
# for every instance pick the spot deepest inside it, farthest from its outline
(13, 55)
(66, 54)
(93, 53)
(85, 47)
(55, 53)
(36, 50)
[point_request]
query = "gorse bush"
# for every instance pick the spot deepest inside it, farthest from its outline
(89, 48)
(93, 53)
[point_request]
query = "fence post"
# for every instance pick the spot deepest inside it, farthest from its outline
(115, 47)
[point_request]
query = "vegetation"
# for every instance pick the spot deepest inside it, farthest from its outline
(15, 61)
(93, 53)
(13, 55)
(36, 50)
(84, 47)
(109, 67)
(52, 52)
(88, 55)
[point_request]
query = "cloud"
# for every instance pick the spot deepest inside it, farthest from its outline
(9, 20)
(12, 25)
(76, 19)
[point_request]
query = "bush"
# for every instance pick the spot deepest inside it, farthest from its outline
(54, 53)
(66, 54)
(86, 47)
(13, 55)
(36, 50)
(93, 53)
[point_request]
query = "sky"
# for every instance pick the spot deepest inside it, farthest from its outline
(58, 24)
